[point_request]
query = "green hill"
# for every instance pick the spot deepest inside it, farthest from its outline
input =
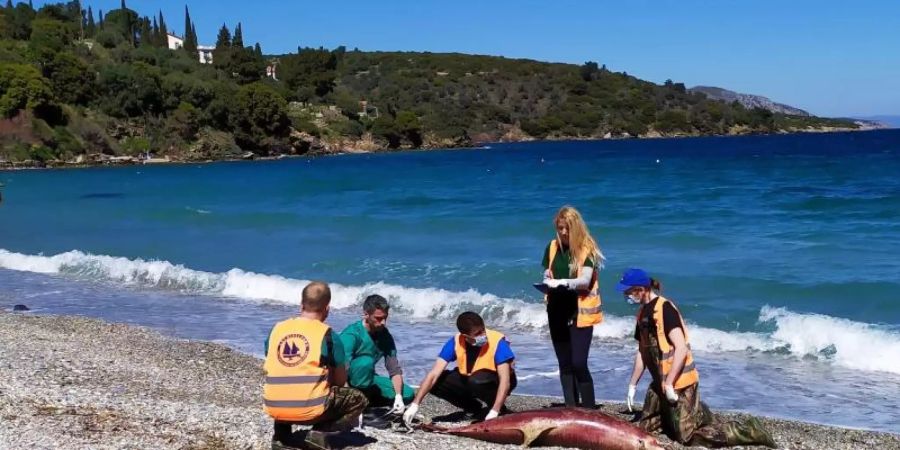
(80, 86)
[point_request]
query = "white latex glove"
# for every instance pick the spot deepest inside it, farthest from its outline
(398, 404)
(670, 393)
(629, 401)
(491, 415)
(410, 414)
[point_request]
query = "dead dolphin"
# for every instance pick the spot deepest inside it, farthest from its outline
(565, 427)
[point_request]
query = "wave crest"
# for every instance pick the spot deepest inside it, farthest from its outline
(850, 344)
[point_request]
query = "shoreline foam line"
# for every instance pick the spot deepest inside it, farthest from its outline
(847, 343)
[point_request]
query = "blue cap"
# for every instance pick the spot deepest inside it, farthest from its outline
(631, 278)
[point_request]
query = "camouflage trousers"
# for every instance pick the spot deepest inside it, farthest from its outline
(342, 410)
(690, 422)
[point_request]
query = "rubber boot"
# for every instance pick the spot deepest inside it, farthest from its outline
(570, 394)
(586, 389)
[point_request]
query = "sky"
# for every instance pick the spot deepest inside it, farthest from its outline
(832, 58)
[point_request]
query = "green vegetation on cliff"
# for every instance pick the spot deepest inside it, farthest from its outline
(72, 85)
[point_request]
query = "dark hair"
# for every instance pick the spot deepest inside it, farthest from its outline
(655, 285)
(468, 322)
(375, 302)
(316, 296)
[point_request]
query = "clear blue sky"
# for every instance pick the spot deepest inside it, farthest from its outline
(833, 58)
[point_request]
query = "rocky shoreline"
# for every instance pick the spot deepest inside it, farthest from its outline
(316, 147)
(77, 383)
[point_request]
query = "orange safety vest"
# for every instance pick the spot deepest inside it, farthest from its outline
(689, 374)
(589, 310)
(296, 386)
(485, 358)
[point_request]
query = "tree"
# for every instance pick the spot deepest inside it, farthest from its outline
(163, 31)
(122, 22)
(223, 41)
(146, 32)
(588, 70)
(190, 40)
(244, 65)
(19, 21)
(184, 121)
(71, 79)
(311, 72)
(22, 87)
(386, 128)
(260, 116)
(258, 50)
(91, 28)
(48, 37)
(131, 90)
(238, 40)
(407, 124)
(5, 31)
(100, 20)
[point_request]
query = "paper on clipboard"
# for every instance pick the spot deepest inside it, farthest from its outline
(541, 287)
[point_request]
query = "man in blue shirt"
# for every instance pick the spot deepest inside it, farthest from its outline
(484, 371)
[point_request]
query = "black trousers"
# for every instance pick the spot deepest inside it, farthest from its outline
(572, 346)
(468, 392)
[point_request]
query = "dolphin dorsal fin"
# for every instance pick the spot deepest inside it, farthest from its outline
(532, 432)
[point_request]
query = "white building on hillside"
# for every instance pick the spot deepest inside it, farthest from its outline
(204, 52)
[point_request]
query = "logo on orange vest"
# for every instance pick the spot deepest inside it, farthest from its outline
(293, 350)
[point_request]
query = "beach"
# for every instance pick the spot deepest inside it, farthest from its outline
(75, 382)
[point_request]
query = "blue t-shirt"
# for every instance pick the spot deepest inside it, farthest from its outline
(504, 352)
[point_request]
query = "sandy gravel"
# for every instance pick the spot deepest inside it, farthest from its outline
(77, 383)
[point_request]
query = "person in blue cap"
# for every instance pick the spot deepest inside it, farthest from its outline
(672, 403)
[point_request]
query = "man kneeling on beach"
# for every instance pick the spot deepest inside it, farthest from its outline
(367, 341)
(484, 371)
(305, 375)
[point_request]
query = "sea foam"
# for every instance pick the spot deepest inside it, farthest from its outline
(840, 341)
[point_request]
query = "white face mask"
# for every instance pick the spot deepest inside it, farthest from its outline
(632, 299)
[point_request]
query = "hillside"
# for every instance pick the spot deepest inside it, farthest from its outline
(887, 121)
(80, 87)
(749, 100)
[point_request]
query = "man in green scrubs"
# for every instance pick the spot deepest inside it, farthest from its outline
(367, 341)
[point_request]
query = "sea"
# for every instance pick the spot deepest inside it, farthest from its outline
(782, 252)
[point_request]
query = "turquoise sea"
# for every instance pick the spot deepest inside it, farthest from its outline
(783, 253)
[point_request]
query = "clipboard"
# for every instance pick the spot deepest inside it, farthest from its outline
(541, 287)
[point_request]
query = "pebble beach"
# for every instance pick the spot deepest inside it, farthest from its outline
(79, 383)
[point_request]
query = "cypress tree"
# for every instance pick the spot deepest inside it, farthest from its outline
(163, 32)
(190, 42)
(91, 28)
(258, 50)
(224, 39)
(9, 5)
(238, 41)
(146, 31)
(154, 29)
(100, 20)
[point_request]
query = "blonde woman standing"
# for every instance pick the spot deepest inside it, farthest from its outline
(571, 262)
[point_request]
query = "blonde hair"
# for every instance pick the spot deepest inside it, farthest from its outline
(581, 245)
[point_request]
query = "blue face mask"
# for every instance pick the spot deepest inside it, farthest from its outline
(480, 340)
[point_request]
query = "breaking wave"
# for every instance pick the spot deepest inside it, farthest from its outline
(840, 341)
